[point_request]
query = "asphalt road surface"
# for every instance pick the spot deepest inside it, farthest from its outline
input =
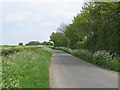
(67, 71)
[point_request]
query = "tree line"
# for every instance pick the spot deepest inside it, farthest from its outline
(35, 43)
(95, 28)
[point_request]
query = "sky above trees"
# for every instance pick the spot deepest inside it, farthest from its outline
(28, 21)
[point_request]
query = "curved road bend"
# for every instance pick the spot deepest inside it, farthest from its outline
(67, 71)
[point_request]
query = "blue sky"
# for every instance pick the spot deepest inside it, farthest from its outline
(28, 21)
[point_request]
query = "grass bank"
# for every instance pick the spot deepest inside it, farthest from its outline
(8, 50)
(27, 68)
(102, 58)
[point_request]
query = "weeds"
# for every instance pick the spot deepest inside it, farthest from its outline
(27, 68)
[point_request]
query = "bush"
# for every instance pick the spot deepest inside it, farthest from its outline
(83, 54)
(20, 44)
(105, 55)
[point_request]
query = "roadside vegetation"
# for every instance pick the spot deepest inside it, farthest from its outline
(101, 58)
(26, 68)
(34, 43)
(93, 35)
(8, 50)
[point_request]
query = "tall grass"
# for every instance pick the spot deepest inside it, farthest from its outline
(27, 68)
(13, 49)
(102, 58)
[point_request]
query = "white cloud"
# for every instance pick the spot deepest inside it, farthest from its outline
(58, 1)
(31, 25)
(55, 1)
(20, 25)
(14, 17)
(69, 14)
(35, 17)
(47, 24)
(23, 16)
(65, 10)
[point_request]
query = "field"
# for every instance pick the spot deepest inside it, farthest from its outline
(25, 68)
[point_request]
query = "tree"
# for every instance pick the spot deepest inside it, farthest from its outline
(59, 39)
(20, 44)
(47, 43)
(99, 22)
(104, 17)
(71, 36)
(62, 28)
(33, 43)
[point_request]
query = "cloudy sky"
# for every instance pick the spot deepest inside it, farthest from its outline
(35, 20)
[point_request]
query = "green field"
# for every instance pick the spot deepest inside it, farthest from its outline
(27, 68)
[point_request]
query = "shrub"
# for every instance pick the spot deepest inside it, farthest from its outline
(20, 44)
(83, 54)
(105, 55)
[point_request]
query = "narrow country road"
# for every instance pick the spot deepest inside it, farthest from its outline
(67, 71)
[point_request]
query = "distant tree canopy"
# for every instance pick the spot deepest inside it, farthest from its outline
(98, 22)
(47, 43)
(20, 44)
(33, 43)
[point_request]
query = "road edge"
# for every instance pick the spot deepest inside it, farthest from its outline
(52, 80)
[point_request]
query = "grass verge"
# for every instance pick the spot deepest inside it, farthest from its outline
(26, 69)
